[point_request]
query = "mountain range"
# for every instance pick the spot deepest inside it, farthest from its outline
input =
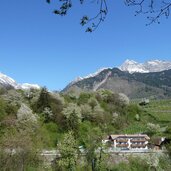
(149, 66)
(151, 79)
(8, 83)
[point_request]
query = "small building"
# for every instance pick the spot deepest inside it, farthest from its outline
(158, 143)
(135, 141)
(144, 102)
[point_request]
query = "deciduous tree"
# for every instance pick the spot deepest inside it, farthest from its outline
(68, 152)
(152, 9)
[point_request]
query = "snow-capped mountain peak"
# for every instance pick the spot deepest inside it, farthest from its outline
(7, 81)
(149, 66)
(133, 66)
(90, 75)
(130, 62)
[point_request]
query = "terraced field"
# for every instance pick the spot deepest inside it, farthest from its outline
(160, 110)
(157, 112)
(135, 128)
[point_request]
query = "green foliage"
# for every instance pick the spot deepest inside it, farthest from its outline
(168, 131)
(43, 101)
(66, 123)
(2, 109)
(133, 164)
(164, 163)
(153, 128)
(50, 106)
(137, 117)
(135, 128)
(83, 98)
(160, 110)
(18, 150)
(86, 112)
(133, 109)
(2, 90)
(90, 138)
(112, 102)
(68, 151)
(70, 109)
(86, 132)
(92, 102)
(49, 135)
(11, 109)
(19, 160)
(73, 116)
(101, 161)
(47, 114)
(162, 116)
(56, 103)
(169, 148)
(98, 115)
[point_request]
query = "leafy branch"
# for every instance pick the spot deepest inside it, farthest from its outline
(94, 22)
(154, 9)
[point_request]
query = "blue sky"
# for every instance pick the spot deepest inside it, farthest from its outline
(38, 47)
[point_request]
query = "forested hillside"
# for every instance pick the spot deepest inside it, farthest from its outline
(35, 120)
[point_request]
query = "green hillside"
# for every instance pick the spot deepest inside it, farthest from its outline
(37, 120)
(160, 110)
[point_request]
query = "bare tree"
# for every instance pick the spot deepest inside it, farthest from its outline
(152, 9)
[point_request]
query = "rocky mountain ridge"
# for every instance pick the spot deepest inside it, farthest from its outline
(132, 66)
(134, 85)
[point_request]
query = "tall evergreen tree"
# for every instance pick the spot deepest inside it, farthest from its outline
(43, 101)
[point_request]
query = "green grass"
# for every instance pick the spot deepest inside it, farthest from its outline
(160, 110)
(157, 112)
(135, 128)
(161, 116)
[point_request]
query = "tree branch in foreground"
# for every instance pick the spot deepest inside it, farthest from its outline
(154, 9)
